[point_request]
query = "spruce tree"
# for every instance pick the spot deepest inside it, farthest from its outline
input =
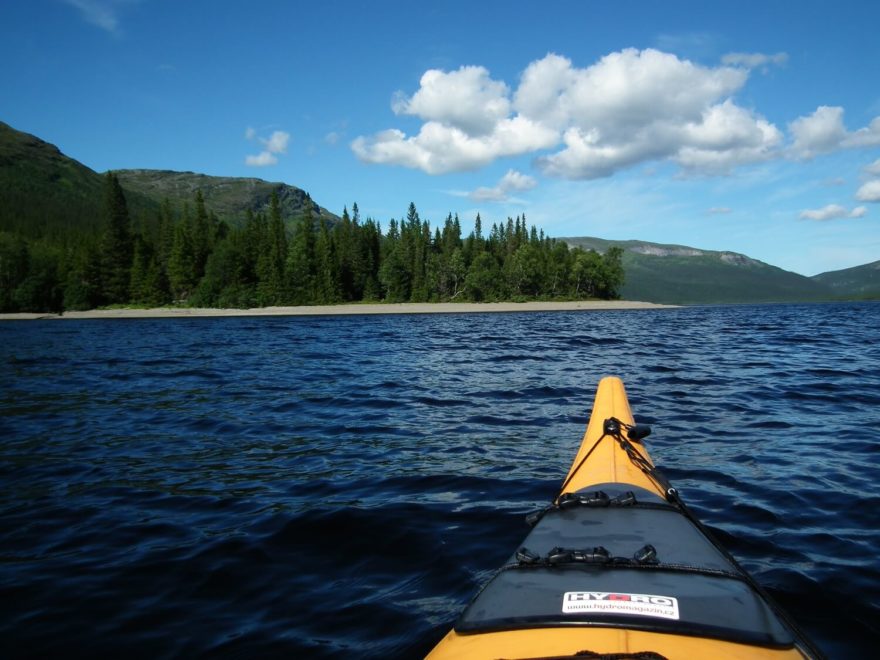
(300, 266)
(201, 236)
(270, 264)
(116, 244)
(181, 263)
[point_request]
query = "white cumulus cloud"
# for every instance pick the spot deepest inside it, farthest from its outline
(627, 108)
(833, 212)
(262, 159)
(467, 99)
(820, 132)
(873, 169)
(512, 181)
(441, 148)
(869, 136)
(824, 132)
(273, 145)
(630, 107)
(869, 192)
(277, 142)
(637, 106)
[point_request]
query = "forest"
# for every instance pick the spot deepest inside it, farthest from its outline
(187, 256)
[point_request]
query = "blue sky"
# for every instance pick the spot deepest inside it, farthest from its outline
(744, 126)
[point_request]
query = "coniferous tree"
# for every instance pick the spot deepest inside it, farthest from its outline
(327, 274)
(82, 280)
(165, 240)
(394, 274)
(270, 264)
(181, 262)
(148, 285)
(41, 289)
(201, 235)
(371, 248)
(300, 266)
(14, 260)
(116, 244)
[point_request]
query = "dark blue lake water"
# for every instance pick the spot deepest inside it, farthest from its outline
(340, 487)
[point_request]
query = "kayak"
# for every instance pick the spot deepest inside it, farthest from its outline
(618, 567)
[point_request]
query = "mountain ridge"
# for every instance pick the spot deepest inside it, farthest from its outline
(230, 198)
(678, 274)
(46, 192)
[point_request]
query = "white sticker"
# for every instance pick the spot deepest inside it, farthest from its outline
(579, 602)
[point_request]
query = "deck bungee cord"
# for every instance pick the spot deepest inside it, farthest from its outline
(617, 566)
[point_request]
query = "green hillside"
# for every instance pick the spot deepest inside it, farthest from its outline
(862, 282)
(679, 274)
(230, 198)
(71, 238)
(48, 194)
(219, 240)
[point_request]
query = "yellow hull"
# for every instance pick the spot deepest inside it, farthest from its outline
(606, 462)
(556, 642)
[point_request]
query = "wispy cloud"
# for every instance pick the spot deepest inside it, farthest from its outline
(512, 181)
(833, 212)
(719, 210)
(102, 13)
(273, 145)
(755, 60)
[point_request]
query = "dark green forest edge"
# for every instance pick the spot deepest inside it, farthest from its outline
(187, 256)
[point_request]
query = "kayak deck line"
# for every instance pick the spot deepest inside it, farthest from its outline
(617, 565)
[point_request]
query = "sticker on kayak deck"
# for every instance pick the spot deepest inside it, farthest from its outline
(579, 602)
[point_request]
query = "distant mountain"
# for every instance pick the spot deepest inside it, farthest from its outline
(229, 197)
(862, 282)
(678, 274)
(46, 193)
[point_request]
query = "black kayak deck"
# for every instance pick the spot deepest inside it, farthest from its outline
(692, 588)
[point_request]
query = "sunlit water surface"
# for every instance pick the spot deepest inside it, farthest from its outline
(341, 486)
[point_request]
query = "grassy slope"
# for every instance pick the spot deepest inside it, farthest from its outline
(46, 193)
(858, 282)
(680, 274)
(43, 190)
(229, 197)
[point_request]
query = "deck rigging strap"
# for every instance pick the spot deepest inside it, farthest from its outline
(613, 428)
(595, 500)
(645, 558)
(593, 655)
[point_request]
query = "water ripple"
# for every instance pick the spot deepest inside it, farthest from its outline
(330, 487)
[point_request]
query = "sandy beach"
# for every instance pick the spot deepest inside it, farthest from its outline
(346, 310)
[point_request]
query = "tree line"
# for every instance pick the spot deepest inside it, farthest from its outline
(188, 256)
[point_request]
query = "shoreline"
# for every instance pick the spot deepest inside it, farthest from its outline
(344, 310)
